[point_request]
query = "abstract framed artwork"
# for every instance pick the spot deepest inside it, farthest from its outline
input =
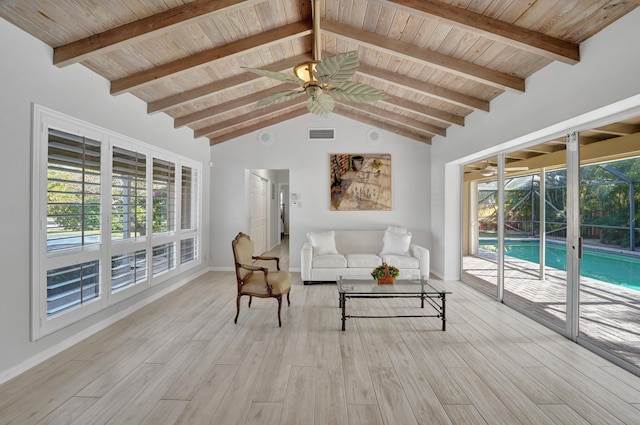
(360, 182)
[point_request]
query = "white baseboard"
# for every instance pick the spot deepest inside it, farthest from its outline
(85, 333)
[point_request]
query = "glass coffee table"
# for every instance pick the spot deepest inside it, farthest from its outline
(429, 292)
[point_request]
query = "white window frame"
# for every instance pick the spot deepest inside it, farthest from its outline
(43, 120)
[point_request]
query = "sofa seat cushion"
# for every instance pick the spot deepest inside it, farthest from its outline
(363, 260)
(329, 261)
(401, 261)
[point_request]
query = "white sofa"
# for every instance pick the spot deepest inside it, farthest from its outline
(355, 253)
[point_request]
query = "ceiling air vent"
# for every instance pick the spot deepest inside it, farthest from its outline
(322, 134)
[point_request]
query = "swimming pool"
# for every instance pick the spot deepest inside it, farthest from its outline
(614, 268)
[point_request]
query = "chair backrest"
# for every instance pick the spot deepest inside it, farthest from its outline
(242, 254)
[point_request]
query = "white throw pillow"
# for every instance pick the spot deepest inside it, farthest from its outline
(323, 243)
(397, 229)
(396, 243)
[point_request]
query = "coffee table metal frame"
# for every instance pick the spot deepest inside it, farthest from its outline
(369, 288)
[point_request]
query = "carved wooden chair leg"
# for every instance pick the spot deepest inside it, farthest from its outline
(288, 302)
(250, 299)
(279, 308)
(237, 309)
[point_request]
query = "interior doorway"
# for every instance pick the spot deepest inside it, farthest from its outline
(283, 199)
(267, 197)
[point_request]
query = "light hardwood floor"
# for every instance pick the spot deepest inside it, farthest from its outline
(181, 360)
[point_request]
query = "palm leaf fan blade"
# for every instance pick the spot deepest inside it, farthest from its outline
(280, 97)
(356, 92)
(320, 105)
(280, 76)
(337, 69)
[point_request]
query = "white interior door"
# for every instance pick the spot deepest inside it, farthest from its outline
(258, 208)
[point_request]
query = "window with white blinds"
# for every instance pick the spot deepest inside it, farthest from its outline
(164, 258)
(128, 194)
(188, 250)
(189, 205)
(72, 286)
(73, 190)
(128, 269)
(85, 177)
(164, 190)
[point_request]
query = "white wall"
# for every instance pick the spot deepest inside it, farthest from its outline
(558, 99)
(27, 76)
(308, 165)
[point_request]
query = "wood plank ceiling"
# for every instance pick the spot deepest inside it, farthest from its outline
(438, 61)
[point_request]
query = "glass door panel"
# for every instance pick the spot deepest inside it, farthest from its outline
(480, 230)
(535, 235)
(609, 291)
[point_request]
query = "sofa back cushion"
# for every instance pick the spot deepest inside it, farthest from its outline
(396, 243)
(323, 243)
(359, 241)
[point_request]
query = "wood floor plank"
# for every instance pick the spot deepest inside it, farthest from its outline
(206, 400)
(165, 412)
(605, 392)
(68, 411)
(271, 386)
(423, 400)
(42, 399)
(575, 398)
(299, 403)
(108, 405)
(306, 344)
(364, 414)
(357, 380)
(186, 385)
(139, 405)
(447, 390)
(563, 414)
(330, 404)
(394, 406)
(264, 414)
(233, 408)
(492, 409)
(464, 414)
(509, 394)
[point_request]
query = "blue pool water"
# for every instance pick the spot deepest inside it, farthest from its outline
(614, 268)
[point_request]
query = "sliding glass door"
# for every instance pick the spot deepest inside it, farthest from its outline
(553, 230)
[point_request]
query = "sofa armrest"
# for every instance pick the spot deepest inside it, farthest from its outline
(421, 254)
(306, 257)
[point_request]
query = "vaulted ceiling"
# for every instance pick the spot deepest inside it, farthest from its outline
(438, 61)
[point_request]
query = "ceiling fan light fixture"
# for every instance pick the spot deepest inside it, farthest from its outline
(304, 71)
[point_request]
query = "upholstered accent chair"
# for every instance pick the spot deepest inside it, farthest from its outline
(256, 281)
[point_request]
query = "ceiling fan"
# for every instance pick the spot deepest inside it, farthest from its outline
(324, 81)
(491, 170)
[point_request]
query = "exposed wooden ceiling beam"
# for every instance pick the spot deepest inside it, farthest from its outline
(427, 111)
(430, 90)
(400, 120)
(217, 86)
(494, 29)
(431, 58)
(214, 140)
(248, 117)
(617, 129)
(239, 102)
(357, 115)
(141, 29)
(235, 48)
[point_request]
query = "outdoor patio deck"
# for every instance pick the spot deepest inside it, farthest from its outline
(609, 314)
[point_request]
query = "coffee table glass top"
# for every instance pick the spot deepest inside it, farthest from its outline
(349, 285)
